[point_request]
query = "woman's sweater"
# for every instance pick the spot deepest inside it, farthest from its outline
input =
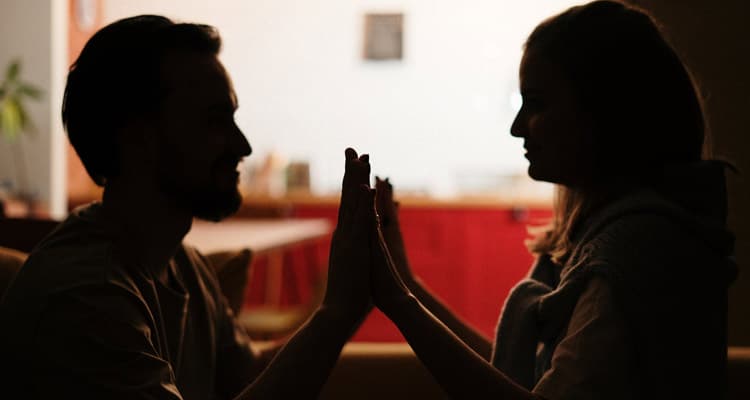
(667, 257)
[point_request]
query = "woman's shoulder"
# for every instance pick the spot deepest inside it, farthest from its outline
(646, 234)
(646, 220)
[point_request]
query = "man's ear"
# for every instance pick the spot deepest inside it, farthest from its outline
(137, 144)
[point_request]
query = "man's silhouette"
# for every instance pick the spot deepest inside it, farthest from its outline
(111, 305)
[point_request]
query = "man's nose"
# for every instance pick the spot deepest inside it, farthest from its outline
(240, 145)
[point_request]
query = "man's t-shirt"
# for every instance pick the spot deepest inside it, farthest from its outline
(80, 322)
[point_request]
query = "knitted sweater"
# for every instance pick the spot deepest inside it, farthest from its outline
(667, 257)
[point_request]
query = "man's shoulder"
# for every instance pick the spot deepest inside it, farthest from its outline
(77, 254)
(67, 258)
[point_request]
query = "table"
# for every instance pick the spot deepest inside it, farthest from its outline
(267, 237)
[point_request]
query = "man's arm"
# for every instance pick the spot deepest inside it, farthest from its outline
(301, 367)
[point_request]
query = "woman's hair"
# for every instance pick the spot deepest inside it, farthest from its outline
(641, 98)
(117, 78)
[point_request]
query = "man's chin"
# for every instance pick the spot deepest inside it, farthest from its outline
(217, 207)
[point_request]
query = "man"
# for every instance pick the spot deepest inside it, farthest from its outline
(111, 305)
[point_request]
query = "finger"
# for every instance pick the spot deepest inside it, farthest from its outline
(356, 172)
(351, 221)
(366, 211)
(361, 170)
(345, 206)
(365, 214)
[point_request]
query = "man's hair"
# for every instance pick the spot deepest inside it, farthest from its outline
(117, 78)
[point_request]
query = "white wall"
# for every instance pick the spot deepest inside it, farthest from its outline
(35, 32)
(427, 121)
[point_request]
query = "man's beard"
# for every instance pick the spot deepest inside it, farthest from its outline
(215, 205)
(207, 201)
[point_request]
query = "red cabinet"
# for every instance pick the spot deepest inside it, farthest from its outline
(469, 256)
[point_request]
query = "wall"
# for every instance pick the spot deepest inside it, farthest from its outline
(712, 39)
(34, 32)
(304, 90)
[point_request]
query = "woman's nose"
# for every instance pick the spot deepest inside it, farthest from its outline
(517, 128)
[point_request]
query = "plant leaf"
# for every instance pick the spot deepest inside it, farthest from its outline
(10, 119)
(13, 70)
(26, 125)
(29, 90)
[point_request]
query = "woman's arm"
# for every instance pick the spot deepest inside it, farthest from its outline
(388, 211)
(459, 370)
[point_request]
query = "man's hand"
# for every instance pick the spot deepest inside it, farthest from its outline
(348, 289)
(388, 209)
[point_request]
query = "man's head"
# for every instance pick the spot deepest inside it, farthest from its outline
(149, 95)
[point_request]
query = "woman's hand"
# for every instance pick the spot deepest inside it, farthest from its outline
(348, 289)
(388, 289)
(388, 209)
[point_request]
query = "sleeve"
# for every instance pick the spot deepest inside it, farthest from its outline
(94, 342)
(592, 361)
(236, 363)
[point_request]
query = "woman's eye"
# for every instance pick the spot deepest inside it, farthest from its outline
(532, 103)
(220, 119)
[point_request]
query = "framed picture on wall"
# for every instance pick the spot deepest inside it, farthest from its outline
(384, 35)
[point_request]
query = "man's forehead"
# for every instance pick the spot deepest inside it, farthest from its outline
(197, 76)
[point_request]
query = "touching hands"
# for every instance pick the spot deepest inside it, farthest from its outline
(368, 260)
(348, 289)
(390, 266)
(388, 209)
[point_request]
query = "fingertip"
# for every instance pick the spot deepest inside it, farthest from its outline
(350, 153)
(365, 158)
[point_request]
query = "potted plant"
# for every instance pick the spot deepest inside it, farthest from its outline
(15, 121)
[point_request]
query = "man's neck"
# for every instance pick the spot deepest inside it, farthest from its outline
(149, 221)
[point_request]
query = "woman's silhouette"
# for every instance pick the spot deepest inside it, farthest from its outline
(627, 297)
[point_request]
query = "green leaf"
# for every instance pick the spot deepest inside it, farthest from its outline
(10, 119)
(13, 70)
(30, 91)
(27, 125)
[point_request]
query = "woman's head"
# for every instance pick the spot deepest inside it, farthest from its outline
(601, 84)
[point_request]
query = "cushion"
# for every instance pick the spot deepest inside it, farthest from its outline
(10, 262)
(232, 268)
(24, 233)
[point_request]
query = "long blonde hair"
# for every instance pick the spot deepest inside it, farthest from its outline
(570, 208)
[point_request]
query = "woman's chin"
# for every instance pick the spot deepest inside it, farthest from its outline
(542, 174)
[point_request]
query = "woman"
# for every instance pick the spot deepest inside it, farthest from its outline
(627, 298)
